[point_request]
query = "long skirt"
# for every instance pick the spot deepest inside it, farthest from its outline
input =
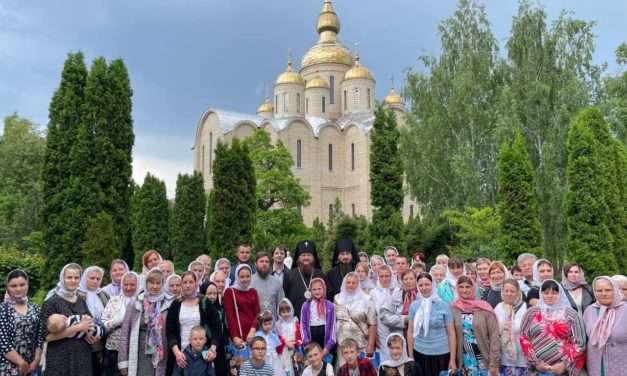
(432, 365)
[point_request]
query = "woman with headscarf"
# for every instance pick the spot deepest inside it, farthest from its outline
(172, 287)
(21, 339)
(112, 318)
(606, 326)
(241, 307)
(478, 345)
(64, 355)
(150, 260)
(509, 313)
(376, 262)
(198, 268)
(552, 336)
(355, 316)
(621, 280)
(398, 363)
(498, 273)
(380, 294)
(578, 292)
(117, 269)
(394, 313)
(142, 347)
(430, 330)
(224, 265)
(219, 279)
(542, 271)
(363, 270)
(89, 288)
(482, 266)
(213, 294)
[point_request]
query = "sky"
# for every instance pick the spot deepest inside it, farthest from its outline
(186, 56)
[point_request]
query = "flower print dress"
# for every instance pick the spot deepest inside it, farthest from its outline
(473, 361)
(21, 333)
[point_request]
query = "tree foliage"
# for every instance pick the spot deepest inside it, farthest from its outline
(476, 233)
(188, 236)
(614, 105)
(99, 246)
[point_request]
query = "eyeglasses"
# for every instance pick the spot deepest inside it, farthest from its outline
(260, 349)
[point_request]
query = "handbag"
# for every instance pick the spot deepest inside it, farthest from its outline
(375, 359)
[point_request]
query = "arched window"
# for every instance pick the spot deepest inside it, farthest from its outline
(323, 104)
(202, 161)
(298, 154)
(330, 211)
(353, 207)
(345, 101)
(300, 209)
(352, 157)
(356, 98)
(332, 89)
(411, 210)
(210, 152)
(330, 157)
(297, 102)
(306, 105)
(286, 101)
(368, 98)
(276, 104)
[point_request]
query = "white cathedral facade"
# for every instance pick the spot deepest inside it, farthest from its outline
(323, 114)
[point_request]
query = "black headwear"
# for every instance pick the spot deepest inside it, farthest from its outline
(345, 245)
(307, 246)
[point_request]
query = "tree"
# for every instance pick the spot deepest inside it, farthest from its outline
(614, 105)
(232, 201)
(99, 247)
(476, 233)
(22, 149)
(589, 241)
(521, 231)
(188, 237)
(414, 235)
(150, 218)
(386, 179)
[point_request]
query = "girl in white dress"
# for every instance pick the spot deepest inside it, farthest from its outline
(265, 329)
(288, 330)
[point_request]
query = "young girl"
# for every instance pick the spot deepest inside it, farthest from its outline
(288, 330)
(265, 330)
(399, 363)
(318, 318)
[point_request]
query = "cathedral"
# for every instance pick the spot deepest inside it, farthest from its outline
(323, 114)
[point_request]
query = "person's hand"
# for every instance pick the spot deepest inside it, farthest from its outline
(123, 371)
(238, 342)
(543, 367)
(369, 350)
(493, 371)
(289, 344)
(211, 355)
(180, 359)
(452, 367)
(406, 319)
(249, 338)
(91, 339)
(32, 367)
(22, 368)
(325, 351)
(559, 368)
(85, 324)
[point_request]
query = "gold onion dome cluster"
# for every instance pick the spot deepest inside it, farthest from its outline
(317, 82)
(393, 98)
(358, 71)
(289, 76)
(266, 106)
(328, 49)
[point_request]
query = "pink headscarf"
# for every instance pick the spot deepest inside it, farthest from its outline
(319, 302)
(472, 304)
(607, 315)
(568, 285)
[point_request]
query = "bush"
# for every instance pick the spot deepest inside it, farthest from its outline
(33, 264)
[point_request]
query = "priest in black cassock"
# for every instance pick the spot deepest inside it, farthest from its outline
(345, 257)
(296, 280)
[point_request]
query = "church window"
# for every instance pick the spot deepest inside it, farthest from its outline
(353, 206)
(276, 104)
(345, 101)
(368, 98)
(352, 157)
(330, 211)
(411, 210)
(298, 154)
(297, 102)
(356, 98)
(202, 161)
(332, 89)
(330, 157)
(210, 152)
(300, 209)
(323, 104)
(306, 105)
(286, 101)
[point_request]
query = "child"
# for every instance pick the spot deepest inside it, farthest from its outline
(196, 355)
(58, 323)
(354, 365)
(265, 331)
(288, 330)
(318, 318)
(399, 363)
(256, 366)
(317, 367)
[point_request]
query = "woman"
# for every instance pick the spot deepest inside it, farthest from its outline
(363, 257)
(621, 280)
(606, 326)
(213, 294)
(483, 273)
(363, 270)
(498, 273)
(446, 289)
(509, 313)
(117, 269)
(219, 279)
(188, 312)
(552, 336)
(172, 287)
(198, 268)
(376, 262)
(394, 312)
(390, 254)
(578, 292)
(380, 295)
(21, 339)
(542, 271)
(150, 260)
(479, 347)
(142, 344)
(438, 272)
(241, 307)
(430, 330)
(68, 356)
(355, 316)
(224, 265)
(398, 364)
(112, 317)
(89, 289)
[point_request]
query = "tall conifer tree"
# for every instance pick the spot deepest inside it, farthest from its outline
(188, 237)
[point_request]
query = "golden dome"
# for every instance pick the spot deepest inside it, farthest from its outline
(316, 82)
(266, 106)
(328, 49)
(289, 76)
(393, 98)
(328, 19)
(358, 71)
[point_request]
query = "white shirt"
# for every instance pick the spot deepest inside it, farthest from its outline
(309, 371)
(314, 319)
(188, 318)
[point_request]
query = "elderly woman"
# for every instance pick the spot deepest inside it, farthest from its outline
(376, 262)
(509, 313)
(117, 269)
(380, 294)
(542, 271)
(21, 339)
(552, 336)
(172, 287)
(112, 317)
(224, 265)
(621, 280)
(606, 326)
(394, 313)
(213, 294)
(219, 279)
(241, 307)
(498, 273)
(430, 330)
(198, 268)
(355, 316)
(97, 299)
(579, 294)
(66, 355)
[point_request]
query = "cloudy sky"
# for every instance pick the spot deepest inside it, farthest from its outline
(185, 56)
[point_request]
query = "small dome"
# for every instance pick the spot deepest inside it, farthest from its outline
(358, 71)
(393, 98)
(316, 82)
(289, 76)
(266, 106)
(328, 19)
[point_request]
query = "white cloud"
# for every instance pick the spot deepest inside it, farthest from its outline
(163, 168)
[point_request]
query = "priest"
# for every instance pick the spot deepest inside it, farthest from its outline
(345, 257)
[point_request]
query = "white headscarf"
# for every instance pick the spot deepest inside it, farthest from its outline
(93, 300)
(423, 314)
(154, 298)
(555, 311)
(114, 288)
(286, 328)
(166, 287)
(348, 298)
(373, 276)
(127, 299)
(537, 280)
(400, 361)
(60, 288)
(227, 277)
(237, 283)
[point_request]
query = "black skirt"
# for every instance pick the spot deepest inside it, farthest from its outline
(432, 365)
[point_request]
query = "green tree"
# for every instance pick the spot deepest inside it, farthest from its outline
(386, 179)
(614, 105)
(99, 246)
(232, 201)
(22, 149)
(415, 235)
(476, 232)
(150, 218)
(188, 236)
(521, 231)
(589, 241)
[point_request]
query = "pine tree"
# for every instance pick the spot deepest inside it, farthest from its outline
(99, 244)
(589, 241)
(386, 179)
(232, 201)
(150, 219)
(521, 231)
(187, 232)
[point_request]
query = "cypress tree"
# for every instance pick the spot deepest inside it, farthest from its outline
(187, 232)
(232, 201)
(150, 218)
(521, 231)
(386, 179)
(99, 244)
(589, 241)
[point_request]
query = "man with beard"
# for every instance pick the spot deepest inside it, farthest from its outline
(296, 281)
(269, 290)
(242, 256)
(345, 258)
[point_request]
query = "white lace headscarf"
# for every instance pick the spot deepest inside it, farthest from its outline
(423, 314)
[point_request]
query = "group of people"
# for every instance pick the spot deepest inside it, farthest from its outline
(379, 315)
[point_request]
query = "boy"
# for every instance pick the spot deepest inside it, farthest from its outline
(317, 367)
(256, 366)
(58, 323)
(354, 365)
(196, 355)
